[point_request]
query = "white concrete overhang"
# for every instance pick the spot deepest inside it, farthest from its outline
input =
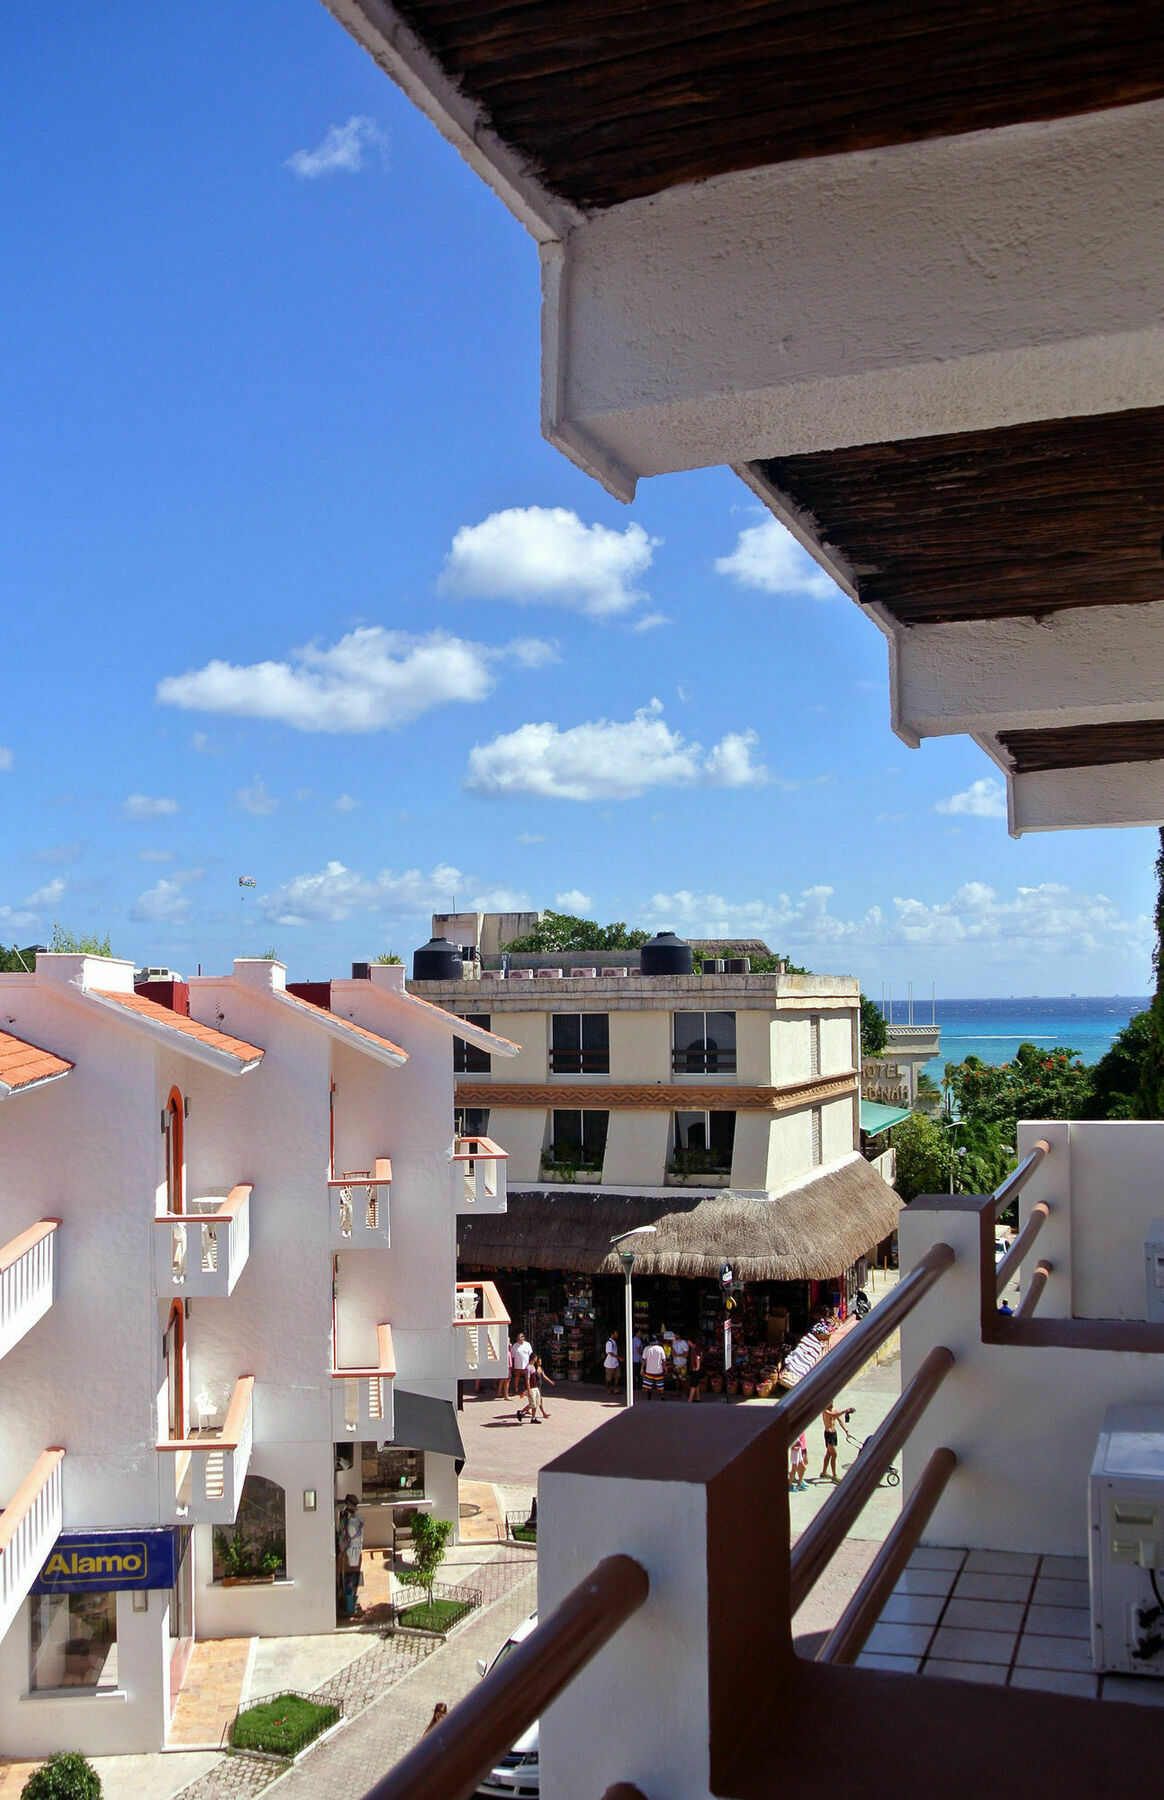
(462, 1028)
(344, 1031)
(169, 1036)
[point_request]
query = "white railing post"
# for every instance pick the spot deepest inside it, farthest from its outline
(27, 1281)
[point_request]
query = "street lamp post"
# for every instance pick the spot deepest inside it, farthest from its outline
(627, 1259)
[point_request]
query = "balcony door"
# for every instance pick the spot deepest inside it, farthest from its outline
(174, 1345)
(175, 1152)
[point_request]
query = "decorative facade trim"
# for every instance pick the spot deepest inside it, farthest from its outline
(641, 1097)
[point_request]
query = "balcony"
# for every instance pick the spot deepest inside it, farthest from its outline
(996, 1426)
(27, 1274)
(29, 1527)
(361, 1399)
(204, 1251)
(481, 1329)
(358, 1207)
(202, 1474)
(479, 1176)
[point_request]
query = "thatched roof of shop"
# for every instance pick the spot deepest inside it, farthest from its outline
(810, 1233)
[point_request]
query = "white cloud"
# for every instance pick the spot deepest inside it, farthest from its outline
(651, 621)
(768, 557)
(608, 760)
(335, 892)
(156, 856)
(574, 901)
(255, 799)
(531, 837)
(343, 147)
(346, 803)
(370, 680)
(140, 806)
(6, 759)
(983, 799)
(1034, 924)
(531, 554)
(32, 909)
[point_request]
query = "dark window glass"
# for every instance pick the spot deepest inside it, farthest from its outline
(579, 1138)
(704, 1142)
(467, 1058)
(391, 1474)
(256, 1544)
(471, 1121)
(73, 1641)
(579, 1044)
(705, 1044)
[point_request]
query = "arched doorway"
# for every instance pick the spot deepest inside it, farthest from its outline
(175, 1152)
(174, 1344)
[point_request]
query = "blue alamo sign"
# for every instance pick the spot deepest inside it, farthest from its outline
(80, 1561)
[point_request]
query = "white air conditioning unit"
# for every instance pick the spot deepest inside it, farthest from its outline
(589, 972)
(521, 975)
(1126, 1507)
(549, 974)
(611, 971)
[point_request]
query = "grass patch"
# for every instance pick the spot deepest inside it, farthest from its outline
(281, 1726)
(440, 1616)
(525, 1534)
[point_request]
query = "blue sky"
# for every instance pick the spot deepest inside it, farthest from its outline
(293, 588)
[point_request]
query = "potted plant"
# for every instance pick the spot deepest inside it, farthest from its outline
(247, 1564)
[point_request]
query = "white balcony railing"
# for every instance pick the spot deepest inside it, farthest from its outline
(203, 1252)
(358, 1207)
(27, 1272)
(481, 1328)
(203, 1484)
(29, 1527)
(361, 1399)
(479, 1175)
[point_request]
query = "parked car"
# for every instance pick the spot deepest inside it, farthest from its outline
(516, 1775)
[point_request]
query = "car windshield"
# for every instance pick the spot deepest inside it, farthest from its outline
(502, 1654)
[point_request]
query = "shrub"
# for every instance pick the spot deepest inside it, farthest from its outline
(429, 1539)
(66, 1776)
(281, 1726)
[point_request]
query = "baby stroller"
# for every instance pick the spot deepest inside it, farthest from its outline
(892, 1477)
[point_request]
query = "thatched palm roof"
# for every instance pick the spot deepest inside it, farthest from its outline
(811, 1233)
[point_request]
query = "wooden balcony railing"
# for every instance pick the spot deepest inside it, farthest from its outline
(27, 1276)
(29, 1527)
(452, 1761)
(210, 1467)
(361, 1399)
(479, 1175)
(481, 1327)
(204, 1253)
(358, 1207)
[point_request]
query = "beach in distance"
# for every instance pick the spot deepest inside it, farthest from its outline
(994, 1029)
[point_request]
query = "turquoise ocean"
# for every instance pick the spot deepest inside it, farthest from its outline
(993, 1029)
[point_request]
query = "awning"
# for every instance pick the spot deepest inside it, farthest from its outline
(876, 1118)
(811, 1232)
(421, 1422)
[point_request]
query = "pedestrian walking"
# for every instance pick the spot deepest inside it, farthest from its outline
(637, 1358)
(535, 1375)
(799, 1464)
(654, 1369)
(695, 1370)
(680, 1351)
(611, 1363)
(831, 1418)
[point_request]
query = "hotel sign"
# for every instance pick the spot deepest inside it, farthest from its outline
(82, 1561)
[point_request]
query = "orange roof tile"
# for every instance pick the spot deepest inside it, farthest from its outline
(203, 1034)
(25, 1065)
(348, 1024)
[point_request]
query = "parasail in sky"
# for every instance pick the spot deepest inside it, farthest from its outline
(247, 881)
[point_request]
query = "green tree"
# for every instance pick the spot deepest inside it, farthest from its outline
(874, 1030)
(429, 1541)
(1117, 1079)
(1149, 1102)
(929, 1094)
(923, 1156)
(85, 943)
(14, 961)
(1037, 1084)
(389, 956)
(66, 1776)
(565, 931)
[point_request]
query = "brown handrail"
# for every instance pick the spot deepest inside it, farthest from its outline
(20, 1246)
(385, 1366)
(1040, 1275)
(451, 1762)
(486, 1151)
(232, 1425)
(230, 1206)
(812, 1394)
(847, 1638)
(816, 1546)
(1017, 1180)
(374, 1177)
(1040, 1213)
(490, 1298)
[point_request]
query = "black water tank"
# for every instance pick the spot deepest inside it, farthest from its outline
(437, 961)
(665, 954)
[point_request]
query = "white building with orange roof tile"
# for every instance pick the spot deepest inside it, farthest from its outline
(227, 1295)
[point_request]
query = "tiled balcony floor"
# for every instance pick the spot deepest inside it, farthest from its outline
(994, 1616)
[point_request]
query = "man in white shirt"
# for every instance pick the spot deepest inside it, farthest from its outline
(654, 1364)
(610, 1363)
(679, 1352)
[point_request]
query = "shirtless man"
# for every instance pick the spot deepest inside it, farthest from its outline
(832, 1417)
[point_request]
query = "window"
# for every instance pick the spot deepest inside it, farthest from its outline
(580, 1044)
(817, 1136)
(391, 1474)
(579, 1139)
(471, 1121)
(814, 1044)
(467, 1058)
(705, 1044)
(256, 1544)
(74, 1641)
(704, 1143)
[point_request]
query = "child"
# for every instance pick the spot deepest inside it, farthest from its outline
(796, 1481)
